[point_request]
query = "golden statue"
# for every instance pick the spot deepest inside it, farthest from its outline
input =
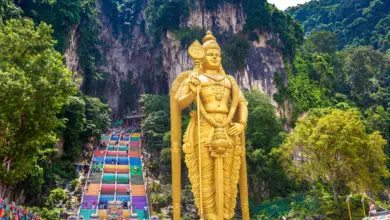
(216, 161)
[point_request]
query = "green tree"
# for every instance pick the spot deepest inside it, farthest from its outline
(321, 42)
(34, 182)
(355, 22)
(303, 91)
(34, 85)
(264, 132)
(330, 145)
(46, 214)
(154, 127)
(62, 15)
(97, 117)
(74, 114)
(153, 103)
(258, 14)
(165, 166)
(9, 10)
(56, 197)
(364, 67)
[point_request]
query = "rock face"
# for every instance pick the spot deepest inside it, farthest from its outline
(71, 56)
(132, 59)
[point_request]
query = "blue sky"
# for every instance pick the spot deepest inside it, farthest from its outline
(283, 4)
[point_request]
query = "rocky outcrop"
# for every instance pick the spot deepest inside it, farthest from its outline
(226, 18)
(132, 59)
(129, 59)
(71, 56)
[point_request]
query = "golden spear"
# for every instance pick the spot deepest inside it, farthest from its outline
(197, 53)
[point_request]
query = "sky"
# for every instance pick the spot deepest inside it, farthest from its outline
(283, 4)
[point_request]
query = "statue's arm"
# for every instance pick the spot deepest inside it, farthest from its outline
(242, 110)
(185, 96)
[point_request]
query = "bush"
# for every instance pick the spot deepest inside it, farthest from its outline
(73, 184)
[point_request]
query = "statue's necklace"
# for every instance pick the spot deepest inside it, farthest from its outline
(218, 87)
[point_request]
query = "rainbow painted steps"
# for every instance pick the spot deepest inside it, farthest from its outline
(116, 178)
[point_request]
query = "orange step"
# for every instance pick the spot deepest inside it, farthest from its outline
(138, 193)
(93, 190)
(123, 143)
(138, 190)
(135, 154)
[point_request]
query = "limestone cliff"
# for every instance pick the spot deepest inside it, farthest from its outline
(131, 59)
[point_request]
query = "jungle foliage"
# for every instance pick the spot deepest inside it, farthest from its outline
(42, 109)
(355, 22)
(35, 84)
(329, 145)
(165, 14)
(122, 13)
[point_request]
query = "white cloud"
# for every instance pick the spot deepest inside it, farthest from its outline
(283, 4)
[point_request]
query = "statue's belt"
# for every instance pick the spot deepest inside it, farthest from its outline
(219, 134)
(218, 117)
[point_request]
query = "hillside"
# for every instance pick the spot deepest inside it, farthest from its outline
(355, 22)
(113, 44)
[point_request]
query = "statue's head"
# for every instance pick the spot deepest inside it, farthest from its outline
(213, 52)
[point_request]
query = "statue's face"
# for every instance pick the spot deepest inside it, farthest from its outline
(212, 59)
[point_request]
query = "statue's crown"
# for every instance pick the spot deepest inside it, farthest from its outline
(210, 42)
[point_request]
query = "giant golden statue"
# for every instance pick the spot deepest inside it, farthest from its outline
(214, 146)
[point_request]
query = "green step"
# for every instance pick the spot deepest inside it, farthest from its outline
(123, 179)
(138, 173)
(109, 178)
(137, 180)
(134, 139)
(123, 148)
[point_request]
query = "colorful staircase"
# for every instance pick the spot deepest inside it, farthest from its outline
(115, 178)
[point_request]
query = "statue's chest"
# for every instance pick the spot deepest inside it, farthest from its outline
(218, 87)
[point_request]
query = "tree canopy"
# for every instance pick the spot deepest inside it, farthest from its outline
(355, 22)
(34, 85)
(330, 145)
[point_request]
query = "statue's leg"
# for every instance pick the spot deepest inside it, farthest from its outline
(208, 186)
(228, 187)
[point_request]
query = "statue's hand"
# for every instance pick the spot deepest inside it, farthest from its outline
(194, 82)
(236, 129)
